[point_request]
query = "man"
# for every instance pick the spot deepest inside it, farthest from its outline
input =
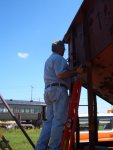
(57, 81)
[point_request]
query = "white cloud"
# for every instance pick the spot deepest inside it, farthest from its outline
(22, 55)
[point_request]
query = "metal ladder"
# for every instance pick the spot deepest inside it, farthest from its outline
(68, 139)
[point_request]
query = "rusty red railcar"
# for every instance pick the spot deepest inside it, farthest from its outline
(90, 43)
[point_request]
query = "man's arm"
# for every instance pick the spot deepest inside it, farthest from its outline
(70, 73)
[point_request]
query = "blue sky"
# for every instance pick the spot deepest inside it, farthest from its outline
(27, 29)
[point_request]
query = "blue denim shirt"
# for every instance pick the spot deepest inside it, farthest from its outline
(55, 65)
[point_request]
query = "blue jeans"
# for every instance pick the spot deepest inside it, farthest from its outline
(57, 102)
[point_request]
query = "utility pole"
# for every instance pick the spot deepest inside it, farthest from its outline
(32, 93)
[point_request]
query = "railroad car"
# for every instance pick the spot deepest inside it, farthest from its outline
(29, 111)
(105, 127)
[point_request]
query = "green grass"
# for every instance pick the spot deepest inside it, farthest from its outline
(17, 139)
(101, 127)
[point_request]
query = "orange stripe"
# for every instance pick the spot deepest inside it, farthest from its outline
(102, 136)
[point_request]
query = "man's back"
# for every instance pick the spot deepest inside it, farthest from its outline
(54, 65)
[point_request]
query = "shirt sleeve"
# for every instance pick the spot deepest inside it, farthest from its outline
(60, 65)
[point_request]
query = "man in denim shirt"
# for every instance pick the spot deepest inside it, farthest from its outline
(57, 82)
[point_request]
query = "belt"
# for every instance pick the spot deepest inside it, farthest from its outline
(56, 84)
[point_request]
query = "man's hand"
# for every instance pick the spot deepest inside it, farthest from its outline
(80, 70)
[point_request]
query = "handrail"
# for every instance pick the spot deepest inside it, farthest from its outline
(17, 121)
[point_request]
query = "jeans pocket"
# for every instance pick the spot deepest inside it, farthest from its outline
(51, 95)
